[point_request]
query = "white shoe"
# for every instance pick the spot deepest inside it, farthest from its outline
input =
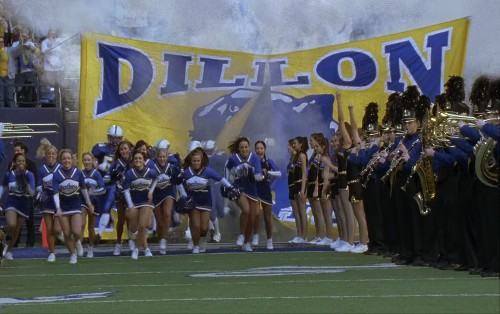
(187, 235)
(346, 247)
(324, 242)
(246, 247)
(73, 259)
(79, 248)
(131, 244)
(196, 250)
(255, 240)
(359, 248)
(163, 246)
(60, 236)
(8, 256)
(51, 258)
(190, 245)
(135, 253)
(315, 240)
(90, 252)
(302, 240)
(203, 245)
(118, 249)
(217, 237)
(294, 240)
(269, 244)
(335, 244)
(147, 252)
(240, 240)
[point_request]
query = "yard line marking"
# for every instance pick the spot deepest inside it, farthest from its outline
(389, 296)
(258, 283)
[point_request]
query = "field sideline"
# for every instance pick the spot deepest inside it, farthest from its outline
(289, 280)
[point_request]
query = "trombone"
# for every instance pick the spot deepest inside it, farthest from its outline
(26, 130)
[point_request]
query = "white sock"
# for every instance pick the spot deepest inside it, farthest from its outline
(103, 222)
(216, 225)
(211, 225)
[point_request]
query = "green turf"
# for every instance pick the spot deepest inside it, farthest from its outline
(164, 284)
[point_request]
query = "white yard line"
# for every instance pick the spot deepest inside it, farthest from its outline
(324, 297)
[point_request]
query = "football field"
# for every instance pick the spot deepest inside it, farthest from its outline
(288, 280)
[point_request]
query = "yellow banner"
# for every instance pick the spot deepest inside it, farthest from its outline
(156, 91)
(180, 93)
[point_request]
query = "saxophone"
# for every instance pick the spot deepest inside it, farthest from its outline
(424, 171)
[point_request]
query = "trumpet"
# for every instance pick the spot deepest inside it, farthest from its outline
(26, 130)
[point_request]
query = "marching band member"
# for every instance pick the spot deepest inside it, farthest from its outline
(68, 184)
(95, 186)
(20, 184)
(269, 170)
(371, 192)
(196, 176)
(45, 194)
(408, 152)
(138, 186)
(247, 171)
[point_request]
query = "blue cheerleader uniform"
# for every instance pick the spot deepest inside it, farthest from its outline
(95, 184)
(164, 188)
(45, 175)
(68, 184)
(138, 183)
(245, 170)
(18, 199)
(197, 185)
(264, 186)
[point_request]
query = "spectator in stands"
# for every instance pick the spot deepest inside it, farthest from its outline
(20, 147)
(2, 146)
(26, 79)
(52, 65)
(8, 69)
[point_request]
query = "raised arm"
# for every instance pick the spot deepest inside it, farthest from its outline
(354, 126)
(347, 142)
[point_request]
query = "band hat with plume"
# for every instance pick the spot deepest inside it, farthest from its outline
(424, 105)
(397, 116)
(410, 100)
(455, 94)
(393, 100)
(494, 103)
(479, 95)
(370, 119)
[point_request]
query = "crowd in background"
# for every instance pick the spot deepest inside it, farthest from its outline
(29, 63)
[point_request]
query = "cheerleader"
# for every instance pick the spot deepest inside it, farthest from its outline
(95, 186)
(164, 194)
(116, 177)
(318, 188)
(140, 182)
(20, 184)
(355, 188)
(68, 184)
(269, 170)
(45, 194)
(300, 147)
(245, 166)
(196, 179)
(291, 191)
